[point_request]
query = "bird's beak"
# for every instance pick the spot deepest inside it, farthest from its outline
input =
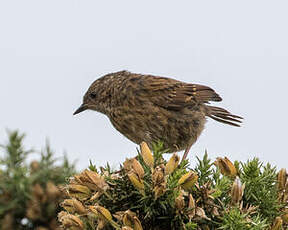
(81, 109)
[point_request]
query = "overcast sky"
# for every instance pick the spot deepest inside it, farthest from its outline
(51, 51)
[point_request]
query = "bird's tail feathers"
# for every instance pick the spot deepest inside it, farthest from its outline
(222, 115)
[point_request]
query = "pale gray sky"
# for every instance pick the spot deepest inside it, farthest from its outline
(51, 51)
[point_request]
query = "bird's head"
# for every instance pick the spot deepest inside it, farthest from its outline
(96, 98)
(99, 95)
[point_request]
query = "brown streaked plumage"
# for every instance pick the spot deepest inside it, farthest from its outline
(151, 109)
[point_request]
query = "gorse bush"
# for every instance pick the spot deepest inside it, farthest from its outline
(30, 194)
(148, 192)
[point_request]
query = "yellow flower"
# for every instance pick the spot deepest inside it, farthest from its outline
(226, 167)
(147, 154)
(79, 192)
(73, 206)
(172, 164)
(136, 181)
(104, 213)
(138, 169)
(188, 180)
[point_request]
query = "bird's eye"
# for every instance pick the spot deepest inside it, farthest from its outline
(92, 95)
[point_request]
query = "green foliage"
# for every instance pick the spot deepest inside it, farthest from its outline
(18, 179)
(14, 175)
(222, 186)
(234, 219)
(261, 190)
(203, 169)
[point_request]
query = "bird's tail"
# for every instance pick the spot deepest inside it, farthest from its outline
(222, 115)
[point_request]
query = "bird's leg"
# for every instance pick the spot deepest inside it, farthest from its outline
(186, 153)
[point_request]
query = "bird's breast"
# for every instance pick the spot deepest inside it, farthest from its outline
(176, 130)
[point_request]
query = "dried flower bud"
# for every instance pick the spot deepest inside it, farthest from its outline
(127, 165)
(201, 213)
(96, 196)
(138, 169)
(285, 218)
(237, 191)
(191, 206)
(52, 190)
(159, 190)
(147, 154)
(68, 205)
(128, 218)
(115, 176)
(205, 227)
(82, 179)
(92, 180)
(215, 211)
(188, 180)
(7, 221)
(101, 224)
(34, 166)
(73, 206)
(282, 179)
(285, 193)
(158, 175)
(103, 214)
(136, 181)
(41, 228)
(226, 167)
(79, 192)
(93, 209)
(277, 224)
(126, 228)
(179, 201)
(137, 223)
(38, 191)
(63, 190)
(172, 164)
(119, 215)
(34, 211)
(70, 221)
(54, 224)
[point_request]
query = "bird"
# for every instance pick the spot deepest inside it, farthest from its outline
(150, 108)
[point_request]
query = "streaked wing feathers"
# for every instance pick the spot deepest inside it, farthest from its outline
(173, 94)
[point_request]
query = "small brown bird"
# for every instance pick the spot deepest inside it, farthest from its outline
(151, 108)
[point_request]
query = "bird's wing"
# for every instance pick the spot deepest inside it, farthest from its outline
(173, 94)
